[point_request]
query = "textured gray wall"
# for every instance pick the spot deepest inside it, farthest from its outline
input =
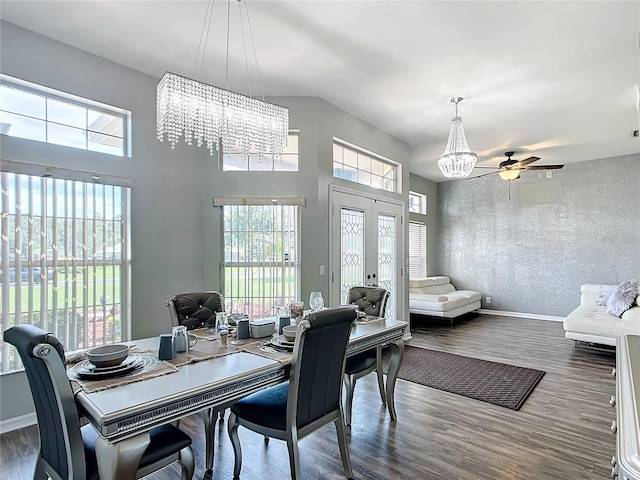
(532, 252)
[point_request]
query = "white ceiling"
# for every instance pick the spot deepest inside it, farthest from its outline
(555, 79)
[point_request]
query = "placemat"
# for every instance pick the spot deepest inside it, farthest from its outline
(263, 348)
(151, 367)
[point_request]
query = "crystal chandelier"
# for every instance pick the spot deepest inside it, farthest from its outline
(458, 160)
(207, 114)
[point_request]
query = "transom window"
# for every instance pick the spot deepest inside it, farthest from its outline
(287, 162)
(417, 203)
(357, 165)
(37, 113)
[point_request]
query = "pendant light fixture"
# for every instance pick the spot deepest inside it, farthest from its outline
(458, 160)
(207, 114)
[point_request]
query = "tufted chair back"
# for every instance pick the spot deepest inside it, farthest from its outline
(371, 300)
(194, 310)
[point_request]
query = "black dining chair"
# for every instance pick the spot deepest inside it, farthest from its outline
(310, 399)
(68, 451)
(195, 310)
(372, 301)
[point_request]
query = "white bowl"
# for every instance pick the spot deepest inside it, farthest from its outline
(289, 332)
(108, 355)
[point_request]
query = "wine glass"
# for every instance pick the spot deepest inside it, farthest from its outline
(316, 302)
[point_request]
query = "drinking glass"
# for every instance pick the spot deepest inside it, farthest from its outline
(222, 323)
(316, 302)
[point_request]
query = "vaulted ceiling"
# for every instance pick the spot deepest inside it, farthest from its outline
(554, 79)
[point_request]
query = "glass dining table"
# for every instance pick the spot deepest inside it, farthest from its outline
(124, 414)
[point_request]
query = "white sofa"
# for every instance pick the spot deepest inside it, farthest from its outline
(591, 323)
(435, 296)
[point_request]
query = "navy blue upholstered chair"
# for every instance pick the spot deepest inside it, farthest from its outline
(372, 301)
(67, 451)
(312, 396)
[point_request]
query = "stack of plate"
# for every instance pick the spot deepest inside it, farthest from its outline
(281, 342)
(86, 369)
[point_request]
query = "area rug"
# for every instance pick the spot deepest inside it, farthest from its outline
(492, 382)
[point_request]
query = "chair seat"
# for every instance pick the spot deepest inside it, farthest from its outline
(267, 407)
(360, 362)
(164, 441)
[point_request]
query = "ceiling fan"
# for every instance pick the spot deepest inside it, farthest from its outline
(510, 169)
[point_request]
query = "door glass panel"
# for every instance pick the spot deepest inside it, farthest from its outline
(351, 250)
(387, 246)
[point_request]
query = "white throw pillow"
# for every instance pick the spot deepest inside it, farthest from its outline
(605, 293)
(622, 298)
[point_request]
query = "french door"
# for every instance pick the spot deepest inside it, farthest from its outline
(367, 246)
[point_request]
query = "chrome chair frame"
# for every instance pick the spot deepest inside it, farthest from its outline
(63, 442)
(350, 377)
(305, 413)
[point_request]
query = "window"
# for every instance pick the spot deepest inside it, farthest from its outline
(288, 161)
(261, 263)
(64, 260)
(417, 203)
(37, 113)
(417, 250)
(357, 165)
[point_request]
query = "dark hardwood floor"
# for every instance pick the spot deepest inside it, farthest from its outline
(561, 432)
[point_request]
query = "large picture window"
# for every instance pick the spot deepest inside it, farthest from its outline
(261, 257)
(64, 260)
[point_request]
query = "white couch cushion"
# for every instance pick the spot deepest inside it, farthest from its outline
(470, 295)
(422, 301)
(428, 282)
(594, 320)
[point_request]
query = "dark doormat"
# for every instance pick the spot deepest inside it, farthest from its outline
(492, 382)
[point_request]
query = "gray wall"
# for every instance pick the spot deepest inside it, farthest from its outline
(430, 189)
(532, 252)
(175, 231)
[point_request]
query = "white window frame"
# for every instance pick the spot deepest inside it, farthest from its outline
(417, 250)
(75, 256)
(417, 203)
(91, 108)
(251, 261)
(234, 160)
(355, 164)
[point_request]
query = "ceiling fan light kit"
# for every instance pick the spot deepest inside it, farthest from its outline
(510, 169)
(458, 160)
(509, 174)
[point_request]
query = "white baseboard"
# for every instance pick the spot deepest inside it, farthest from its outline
(534, 316)
(11, 424)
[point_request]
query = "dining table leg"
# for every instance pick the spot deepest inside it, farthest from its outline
(120, 460)
(210, 417)
(396, 349)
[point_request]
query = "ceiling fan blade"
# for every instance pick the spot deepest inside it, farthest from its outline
(493, 168)
(484, 175)
(526, 161)
(543, 167)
